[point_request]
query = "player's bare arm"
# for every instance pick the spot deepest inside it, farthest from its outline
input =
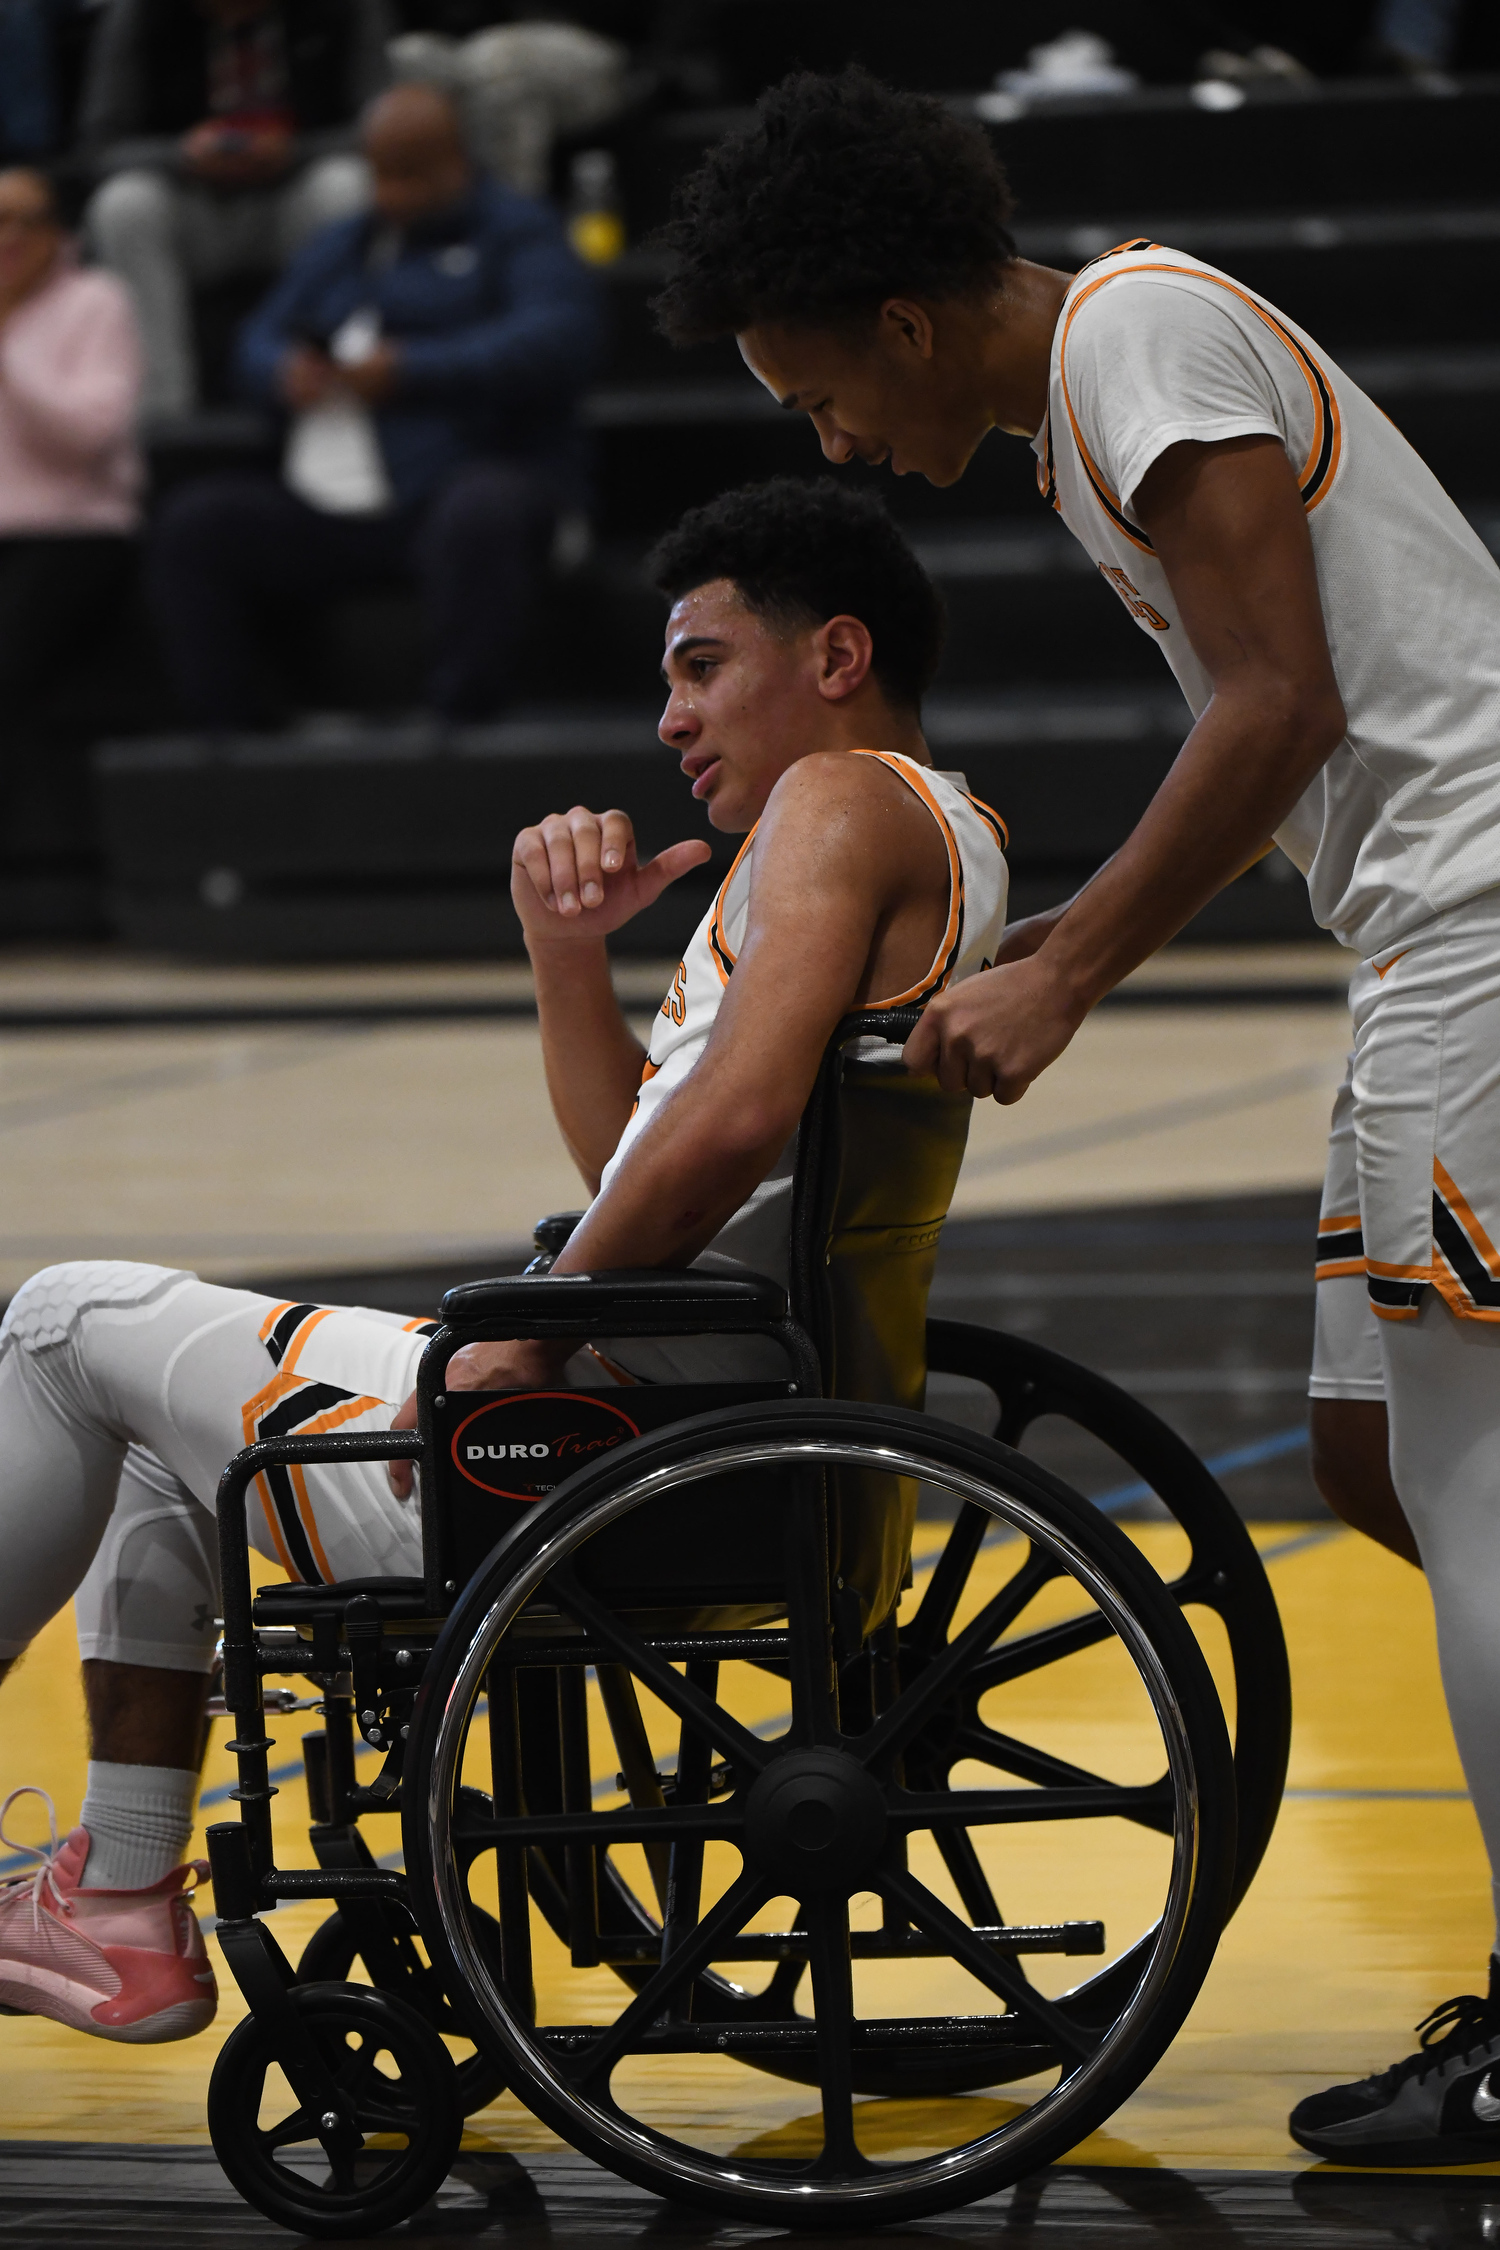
(574, 880)
(1230, 531)
(849, 897)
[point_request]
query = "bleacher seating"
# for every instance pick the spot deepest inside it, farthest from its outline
(1367, 210)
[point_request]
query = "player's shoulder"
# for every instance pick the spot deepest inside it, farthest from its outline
(857, 787)
(843, 816)
(1151, 286)
(835, 773)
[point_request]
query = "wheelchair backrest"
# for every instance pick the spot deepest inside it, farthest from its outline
(878, 1154)
(878, 1159)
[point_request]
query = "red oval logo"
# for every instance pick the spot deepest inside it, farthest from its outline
(521, 1445)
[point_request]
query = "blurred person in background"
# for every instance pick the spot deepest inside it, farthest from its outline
(225, 129)
(429, 358)
(519, 87)
(70, 476)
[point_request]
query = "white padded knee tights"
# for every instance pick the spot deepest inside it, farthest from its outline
(1442, 1383)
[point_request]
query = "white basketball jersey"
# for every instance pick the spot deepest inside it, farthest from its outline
(975, 837)
(1152, 347)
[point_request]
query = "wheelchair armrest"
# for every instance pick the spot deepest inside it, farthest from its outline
(652, 1301)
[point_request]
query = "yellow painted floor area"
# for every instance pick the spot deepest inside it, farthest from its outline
(1372, 1905)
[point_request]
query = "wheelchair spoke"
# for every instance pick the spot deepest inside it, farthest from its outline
(1151, 1806)
(1001, 1975)
(300, 2126)
(1034, 1651)
(689, 1703)
(341, 2165)
(916, 1703)
(969, 1879)
(353, 2077)
(744, 1897)
(987, 1747)
(827, 1923)
(929, 1628)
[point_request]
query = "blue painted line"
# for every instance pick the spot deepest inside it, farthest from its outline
(1273, 1448)
(220, 1794)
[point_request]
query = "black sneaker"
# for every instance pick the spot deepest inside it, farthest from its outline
(1440, 2106)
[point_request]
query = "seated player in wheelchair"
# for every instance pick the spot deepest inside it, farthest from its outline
(802, 635)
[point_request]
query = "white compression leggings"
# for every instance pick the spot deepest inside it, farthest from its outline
(1442, 1388)
(124, 1390)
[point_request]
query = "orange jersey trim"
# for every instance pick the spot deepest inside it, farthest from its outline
(317, 1427)
(1315, 480)
(250, 1415)
(718, 944)
(952, 938)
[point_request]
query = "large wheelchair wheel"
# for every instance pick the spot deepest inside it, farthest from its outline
(1223, 1572)
(796, 1830)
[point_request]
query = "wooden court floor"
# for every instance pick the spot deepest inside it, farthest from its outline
(142, 1117)
(1371, 1907)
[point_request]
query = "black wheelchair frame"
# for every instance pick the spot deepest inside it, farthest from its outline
(792, 1578)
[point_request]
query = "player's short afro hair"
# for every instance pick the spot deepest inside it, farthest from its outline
(802, 550)
(840, 194)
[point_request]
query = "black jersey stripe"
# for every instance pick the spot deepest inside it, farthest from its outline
(1120, 250)
(1112, 508)
(1340, 1246)
(1312, 484)
(278, 1483)
(991, 820)
(1396, 1296)
(288, 1414)
(1046, 471)
(1464, 1260)
(279, 1340)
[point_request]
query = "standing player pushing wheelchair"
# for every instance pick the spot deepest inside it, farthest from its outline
(1334, 624)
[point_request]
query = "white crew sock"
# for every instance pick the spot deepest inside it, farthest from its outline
(139, 1819)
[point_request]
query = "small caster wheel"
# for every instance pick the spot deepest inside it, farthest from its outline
(328, 1956)
(363, 2166)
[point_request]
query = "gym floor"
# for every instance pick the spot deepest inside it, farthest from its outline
(1148, 1209)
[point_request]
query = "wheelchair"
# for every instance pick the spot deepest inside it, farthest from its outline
(681, 1740)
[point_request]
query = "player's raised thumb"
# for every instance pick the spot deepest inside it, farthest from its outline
(674, 861)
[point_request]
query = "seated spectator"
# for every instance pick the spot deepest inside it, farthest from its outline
(70, 370)
(224, 127)
(431, 355)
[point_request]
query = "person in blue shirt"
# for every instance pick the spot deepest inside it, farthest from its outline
(427, 357)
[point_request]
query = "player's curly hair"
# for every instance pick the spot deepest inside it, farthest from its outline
(841, 193)
(802, 550)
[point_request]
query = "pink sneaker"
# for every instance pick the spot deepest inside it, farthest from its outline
(120, 1964)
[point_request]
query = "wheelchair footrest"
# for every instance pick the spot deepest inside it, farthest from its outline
(871, 1945)
(335, 1882)
(750, 2039)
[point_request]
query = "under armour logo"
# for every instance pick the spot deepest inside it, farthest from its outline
(1486, 2104)
(202, 1618)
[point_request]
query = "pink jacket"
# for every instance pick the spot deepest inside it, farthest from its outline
(70, 379)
